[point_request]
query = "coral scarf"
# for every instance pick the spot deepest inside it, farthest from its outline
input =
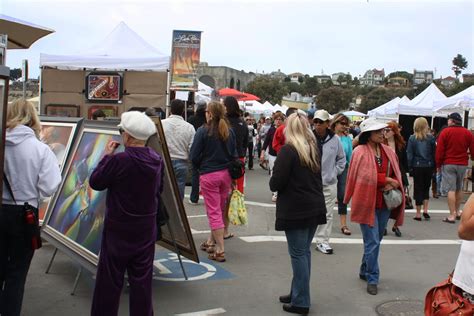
(361, 185)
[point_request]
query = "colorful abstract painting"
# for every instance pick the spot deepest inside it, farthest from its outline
(78, 212)
(58, 136)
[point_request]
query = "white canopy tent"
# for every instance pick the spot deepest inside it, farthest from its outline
(277, 107)
(144, 71)
(122, 49)
(381, 110)
(463, 100)
(422, 104)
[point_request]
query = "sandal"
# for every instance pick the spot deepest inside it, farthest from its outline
(217, 256)
(229, 236)
(447, 220)
(205, 246)
(345, 231)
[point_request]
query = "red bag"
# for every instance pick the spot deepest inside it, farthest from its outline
(446, 299)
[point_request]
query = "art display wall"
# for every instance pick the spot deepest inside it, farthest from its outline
(75, 215)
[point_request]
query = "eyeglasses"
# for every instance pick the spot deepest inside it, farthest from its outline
(121, 131)
(387, 130)
(318, 121)
(343, 123)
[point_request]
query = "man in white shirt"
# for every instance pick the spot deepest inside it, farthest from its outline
(179, 137)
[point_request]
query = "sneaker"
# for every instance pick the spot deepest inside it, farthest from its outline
(324, 248)
(192, 203)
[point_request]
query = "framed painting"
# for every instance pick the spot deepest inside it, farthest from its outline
(172, 202)
(75, 218)
(63, 110)
(109, 110)
(104, 87)
(59, 135)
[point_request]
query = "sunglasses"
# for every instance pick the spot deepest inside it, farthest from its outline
(387, 130)
(344, 123)
(318, 121)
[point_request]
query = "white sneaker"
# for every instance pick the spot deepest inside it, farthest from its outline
(324, 248)
(192, 203)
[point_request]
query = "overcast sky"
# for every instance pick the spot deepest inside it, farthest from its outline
(262, 35)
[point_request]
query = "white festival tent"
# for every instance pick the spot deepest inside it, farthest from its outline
(380, 110)
(122, 49)
(277, 107)
(463, 100)
(204, 93)
(422, 104)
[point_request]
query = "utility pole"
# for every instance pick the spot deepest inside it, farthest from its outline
(24, 75)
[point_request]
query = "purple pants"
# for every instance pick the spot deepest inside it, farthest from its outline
(125, 247)
(215, 188)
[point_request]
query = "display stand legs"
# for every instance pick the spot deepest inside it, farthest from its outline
(78, 276)
(177, 251)
(51, 261)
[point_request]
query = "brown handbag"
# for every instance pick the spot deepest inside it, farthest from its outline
(446, 299)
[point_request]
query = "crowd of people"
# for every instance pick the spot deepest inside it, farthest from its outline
(315, 161)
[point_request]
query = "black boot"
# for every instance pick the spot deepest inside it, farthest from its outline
(285, 298)
(295, 309)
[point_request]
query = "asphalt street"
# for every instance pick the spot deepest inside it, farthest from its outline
(258, 269)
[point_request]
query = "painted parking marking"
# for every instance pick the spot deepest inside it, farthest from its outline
(215, 311)
(253, 239)
(167, 268)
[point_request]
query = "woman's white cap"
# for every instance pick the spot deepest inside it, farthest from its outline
(137, 124)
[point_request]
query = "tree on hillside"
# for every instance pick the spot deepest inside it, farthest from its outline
(311, 86)
(459, 64)
(294, 87)
(458, 87)
(15, 74)
(267, 89)
(334, 99)
(355, 82)
(341, 79)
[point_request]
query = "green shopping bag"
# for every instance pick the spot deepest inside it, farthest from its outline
(237, 212)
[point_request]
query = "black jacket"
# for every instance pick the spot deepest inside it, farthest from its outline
(198, 119)
(300, 200)
(241, 134)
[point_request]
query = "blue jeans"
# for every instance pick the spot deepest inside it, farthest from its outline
(299, 248)
(372, 238)
(180, 168)
(194, 197)
(341, 188)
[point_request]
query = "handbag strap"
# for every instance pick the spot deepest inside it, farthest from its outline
(9, 188)
(388, 168)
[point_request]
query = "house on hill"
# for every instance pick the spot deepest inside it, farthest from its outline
(373, 77)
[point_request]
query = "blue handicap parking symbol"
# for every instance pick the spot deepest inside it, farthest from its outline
(167, 268)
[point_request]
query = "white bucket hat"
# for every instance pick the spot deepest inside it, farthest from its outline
(137, 124)
(371, 124)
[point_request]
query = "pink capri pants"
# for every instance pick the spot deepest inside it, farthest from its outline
(215, 187)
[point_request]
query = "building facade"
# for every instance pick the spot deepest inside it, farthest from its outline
(373, 77)
(422, 76)
(218, 77)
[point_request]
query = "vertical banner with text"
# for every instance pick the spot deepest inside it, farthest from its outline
(185, 54)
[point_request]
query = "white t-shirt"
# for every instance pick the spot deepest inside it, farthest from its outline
(464, 271)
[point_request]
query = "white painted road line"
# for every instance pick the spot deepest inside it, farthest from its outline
(195, 216)
(273, 205)
(359, 241)
(193, 231)
(215, 311)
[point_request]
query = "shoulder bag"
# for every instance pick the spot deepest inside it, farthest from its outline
(445, 298)
(236, 167)
(32, 228)
(393, 198)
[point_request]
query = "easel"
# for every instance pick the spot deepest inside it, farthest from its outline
(80, 268)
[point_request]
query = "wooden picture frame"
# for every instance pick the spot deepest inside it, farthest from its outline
(76, 231)
(104, 87)
(59, 134)
(172, 202)
(63, 110)
(109, 110)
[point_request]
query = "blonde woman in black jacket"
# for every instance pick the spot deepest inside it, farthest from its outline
(300, 206)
